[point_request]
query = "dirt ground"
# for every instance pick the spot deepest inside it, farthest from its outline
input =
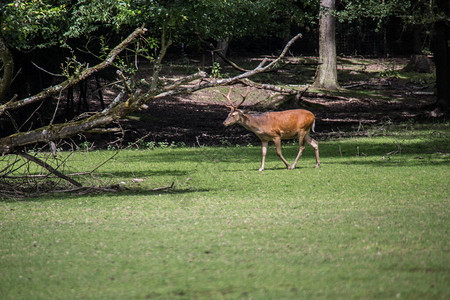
(373, 94)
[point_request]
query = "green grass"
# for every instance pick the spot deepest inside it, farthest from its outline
(373, 226)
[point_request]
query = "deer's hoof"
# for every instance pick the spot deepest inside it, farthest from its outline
(317, 165)
(291, 167)
(261, 169)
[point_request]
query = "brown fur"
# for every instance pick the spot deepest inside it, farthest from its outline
(277, 126)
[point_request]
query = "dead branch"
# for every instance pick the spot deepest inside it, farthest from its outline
(220, 54)
(262, 67)
(48, 168)
(165, 188)
(270, 87)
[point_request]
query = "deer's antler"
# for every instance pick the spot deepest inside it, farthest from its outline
(229, 100)
(244, 97)
(232, 106)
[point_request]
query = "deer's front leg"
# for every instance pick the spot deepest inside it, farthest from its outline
(263, 152)
(301, 141)
(277, 142)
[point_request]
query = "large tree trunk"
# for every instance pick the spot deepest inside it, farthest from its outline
(442, 57)
(326, 74)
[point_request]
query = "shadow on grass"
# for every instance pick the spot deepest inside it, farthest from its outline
(101, 192)
(333, 149)
(143, 173)
(392, 162)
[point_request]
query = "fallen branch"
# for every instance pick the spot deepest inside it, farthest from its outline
(121, 106)
(164, 188)
(48, 168)
(262, 67)
(270, 87)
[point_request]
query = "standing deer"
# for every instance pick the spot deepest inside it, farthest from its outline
(275, 126)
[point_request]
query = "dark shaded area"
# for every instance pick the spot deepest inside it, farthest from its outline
(179, 121)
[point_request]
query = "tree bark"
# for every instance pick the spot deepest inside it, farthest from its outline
(326, 73)
(222, 48)
(8, 70)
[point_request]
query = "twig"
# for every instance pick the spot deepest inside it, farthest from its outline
(164, 188)
(138, 140)
(48, 72)
(104, 162)
(48, 168)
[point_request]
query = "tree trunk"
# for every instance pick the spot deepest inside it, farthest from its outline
(326, 74)
(442, 58)
(222, 47)
(417, 39)
(419, 63)
(8, 70)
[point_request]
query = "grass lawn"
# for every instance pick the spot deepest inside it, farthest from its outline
(365, 225)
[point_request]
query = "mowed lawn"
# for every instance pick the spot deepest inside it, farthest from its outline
(373, 222)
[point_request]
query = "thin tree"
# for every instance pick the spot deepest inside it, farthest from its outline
(442, 56)
(326, 73)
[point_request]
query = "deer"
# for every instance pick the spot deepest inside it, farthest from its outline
(275, 126)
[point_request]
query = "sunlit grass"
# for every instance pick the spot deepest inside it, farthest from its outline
(371, 222)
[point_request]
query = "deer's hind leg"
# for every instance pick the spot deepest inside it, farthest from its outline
(315, 145)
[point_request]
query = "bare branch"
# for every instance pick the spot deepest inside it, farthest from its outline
(49, 168)
(220, 54)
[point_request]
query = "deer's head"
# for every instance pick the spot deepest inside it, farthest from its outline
(235, 114)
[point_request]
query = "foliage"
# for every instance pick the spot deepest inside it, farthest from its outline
(89, 16)
(27, 24)
(30, 23)
(373, 226)
(226, 18)
(411, 12)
